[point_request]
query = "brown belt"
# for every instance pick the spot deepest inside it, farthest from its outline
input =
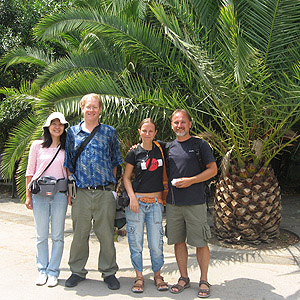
(150, 199)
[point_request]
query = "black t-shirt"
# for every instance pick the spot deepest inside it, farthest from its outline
(147, 179)
(183, 162)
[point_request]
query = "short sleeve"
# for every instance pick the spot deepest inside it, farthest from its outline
(207, 153)
(116, 154)
(130, 158)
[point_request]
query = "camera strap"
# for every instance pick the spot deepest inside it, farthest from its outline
(83, 144)
(59, 147)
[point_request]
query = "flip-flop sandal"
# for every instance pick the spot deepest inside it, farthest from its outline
(204, 291)
(179, 287)
(163, 286)
(137, 285)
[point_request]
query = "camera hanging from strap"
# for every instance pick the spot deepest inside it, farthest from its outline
(33, 185)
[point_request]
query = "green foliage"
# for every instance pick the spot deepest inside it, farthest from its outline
(234, 65)
(12, 111)
(17, 18)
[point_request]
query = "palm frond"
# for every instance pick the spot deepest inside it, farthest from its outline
(271, 26)
(26, 55)
(237, 54)
(17, 144)
(144, 43)
(69, 66)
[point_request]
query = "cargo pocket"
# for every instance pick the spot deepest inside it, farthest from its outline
(206, 232)
(131, 234)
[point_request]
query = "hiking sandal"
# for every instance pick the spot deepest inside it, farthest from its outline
(163, 286)
(179, 287)
(137, 285)
(204, 291)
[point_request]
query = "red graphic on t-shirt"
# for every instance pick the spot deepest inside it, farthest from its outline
(154, 164)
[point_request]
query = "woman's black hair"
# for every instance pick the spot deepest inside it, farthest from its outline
(47, 139)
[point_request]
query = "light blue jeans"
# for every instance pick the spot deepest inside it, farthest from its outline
(151, 214)
(53, 208)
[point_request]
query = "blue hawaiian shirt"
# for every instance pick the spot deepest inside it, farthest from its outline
(95, 164)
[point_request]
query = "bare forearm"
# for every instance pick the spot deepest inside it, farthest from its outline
(205, 175)
(128, 186)
(28, 201)
(211, 171)
(28, 179)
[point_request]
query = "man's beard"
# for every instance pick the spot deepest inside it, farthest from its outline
(183, 133)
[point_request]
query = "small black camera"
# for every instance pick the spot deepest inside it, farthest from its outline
(123, 199)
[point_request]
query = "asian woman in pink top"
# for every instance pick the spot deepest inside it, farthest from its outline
(48, 207)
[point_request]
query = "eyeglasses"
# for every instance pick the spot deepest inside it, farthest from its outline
(91, 107)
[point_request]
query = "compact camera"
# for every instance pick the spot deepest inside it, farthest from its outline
(123, 199)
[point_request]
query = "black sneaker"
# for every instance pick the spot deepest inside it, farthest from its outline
(112, 282)
(73, 280)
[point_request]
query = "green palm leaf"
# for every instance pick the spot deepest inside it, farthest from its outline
(272, 26)
(26, 55)
(18, 145)
(69, 66)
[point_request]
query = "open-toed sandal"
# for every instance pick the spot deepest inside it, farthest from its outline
(162, 286)
(204, 293)
(179, 287)
(138, 287)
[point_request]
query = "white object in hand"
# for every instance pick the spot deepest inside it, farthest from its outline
(174, 181)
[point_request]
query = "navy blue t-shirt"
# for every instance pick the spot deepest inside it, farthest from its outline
(183, 162)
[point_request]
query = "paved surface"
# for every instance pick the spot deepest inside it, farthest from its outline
(234, 274)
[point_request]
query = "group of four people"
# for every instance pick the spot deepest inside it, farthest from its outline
(94, 171)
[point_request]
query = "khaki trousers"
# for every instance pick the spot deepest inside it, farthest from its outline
(95, 208)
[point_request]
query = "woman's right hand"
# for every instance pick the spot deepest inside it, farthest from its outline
(28, 202)
(134, 146)
(134, 205)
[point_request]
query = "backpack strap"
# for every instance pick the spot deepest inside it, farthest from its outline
(197, 150)
(162, 153)
(167, 149)
(165, 176)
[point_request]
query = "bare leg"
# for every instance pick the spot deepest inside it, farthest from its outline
(203, 255)
(181, 254)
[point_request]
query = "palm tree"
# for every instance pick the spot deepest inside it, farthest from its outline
(252, 112)
(233, 64)
(91, 66)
